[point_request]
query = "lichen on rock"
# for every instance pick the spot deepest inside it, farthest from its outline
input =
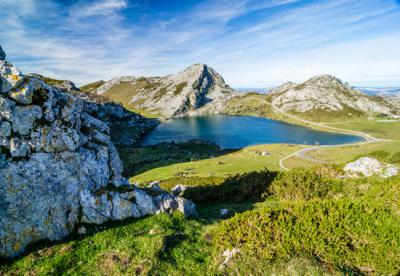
(59, 166)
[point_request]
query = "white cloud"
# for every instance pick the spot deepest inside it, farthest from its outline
(95, 40)
(104, 7)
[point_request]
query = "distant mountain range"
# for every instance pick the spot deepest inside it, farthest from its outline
(200, 89)
(379, 90)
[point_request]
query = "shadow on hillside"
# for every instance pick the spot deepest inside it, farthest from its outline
(241, 188)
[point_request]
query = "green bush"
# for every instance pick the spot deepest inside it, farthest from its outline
(239, 188)
(379, 154)
(394, 158)
(359, 235)
(305, 184)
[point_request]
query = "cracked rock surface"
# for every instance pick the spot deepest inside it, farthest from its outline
(59, 166)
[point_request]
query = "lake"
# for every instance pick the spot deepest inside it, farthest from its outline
(241, 131)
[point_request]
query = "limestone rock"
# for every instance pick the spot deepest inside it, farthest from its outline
(10, 76)
(223, 212)
(154, 187)
(368, 166)
(58, 164)
(6, 108)
(18, 148)
(23, 94)
(178, 190)
(82, 230)
(5, 129)
(23, 118)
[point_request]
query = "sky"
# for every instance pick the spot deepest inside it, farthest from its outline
(251, 43)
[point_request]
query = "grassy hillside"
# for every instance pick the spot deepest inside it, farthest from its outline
(152, 165)
(250, 104)
(91, 86)
(302, 222)
(381, 129)
(124, 91)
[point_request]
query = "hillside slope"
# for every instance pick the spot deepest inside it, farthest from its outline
(174, 95)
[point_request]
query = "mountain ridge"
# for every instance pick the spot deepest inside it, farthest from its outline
(326, 92)
(173, 95)
(199, 89)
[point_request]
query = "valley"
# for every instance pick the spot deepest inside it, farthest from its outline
(207, 137)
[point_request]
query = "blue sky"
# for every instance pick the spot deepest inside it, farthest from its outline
(252, 43)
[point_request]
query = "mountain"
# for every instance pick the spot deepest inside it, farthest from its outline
(196, 88)
(393, 98)
(327, 95)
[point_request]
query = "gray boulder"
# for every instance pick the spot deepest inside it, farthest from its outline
(5, 129)
(368, 166)
(59, 167)
(10, 76)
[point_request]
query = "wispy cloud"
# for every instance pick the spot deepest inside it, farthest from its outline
(104, 8)
(249, 41)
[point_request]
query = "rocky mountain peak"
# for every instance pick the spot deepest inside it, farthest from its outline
(2, 54)
(324, 80)
(174, 95)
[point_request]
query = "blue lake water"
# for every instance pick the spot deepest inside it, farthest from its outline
(241, 131)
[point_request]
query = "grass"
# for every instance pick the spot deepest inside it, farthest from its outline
(241, 161)
(343, 154)
(170, 245)
(179, 88)
(385, 130)
(250, 104)
(310, 223)
(350, 225)
(91, 86)
(124, 91)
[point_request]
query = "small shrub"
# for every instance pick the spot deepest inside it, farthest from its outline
(379, 154)
(394, 158)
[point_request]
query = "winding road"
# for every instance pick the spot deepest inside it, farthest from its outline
(302, 153)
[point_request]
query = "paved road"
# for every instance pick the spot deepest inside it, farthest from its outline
(302, 153)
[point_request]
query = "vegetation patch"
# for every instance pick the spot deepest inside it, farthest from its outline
(91, 86)
(179, 88)
(357, 235)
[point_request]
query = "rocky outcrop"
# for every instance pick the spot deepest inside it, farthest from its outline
(59, 167)
(394, 99)
(197, 87)
(368, 166)
(2, 54)
(126, 128)
(327, 93)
